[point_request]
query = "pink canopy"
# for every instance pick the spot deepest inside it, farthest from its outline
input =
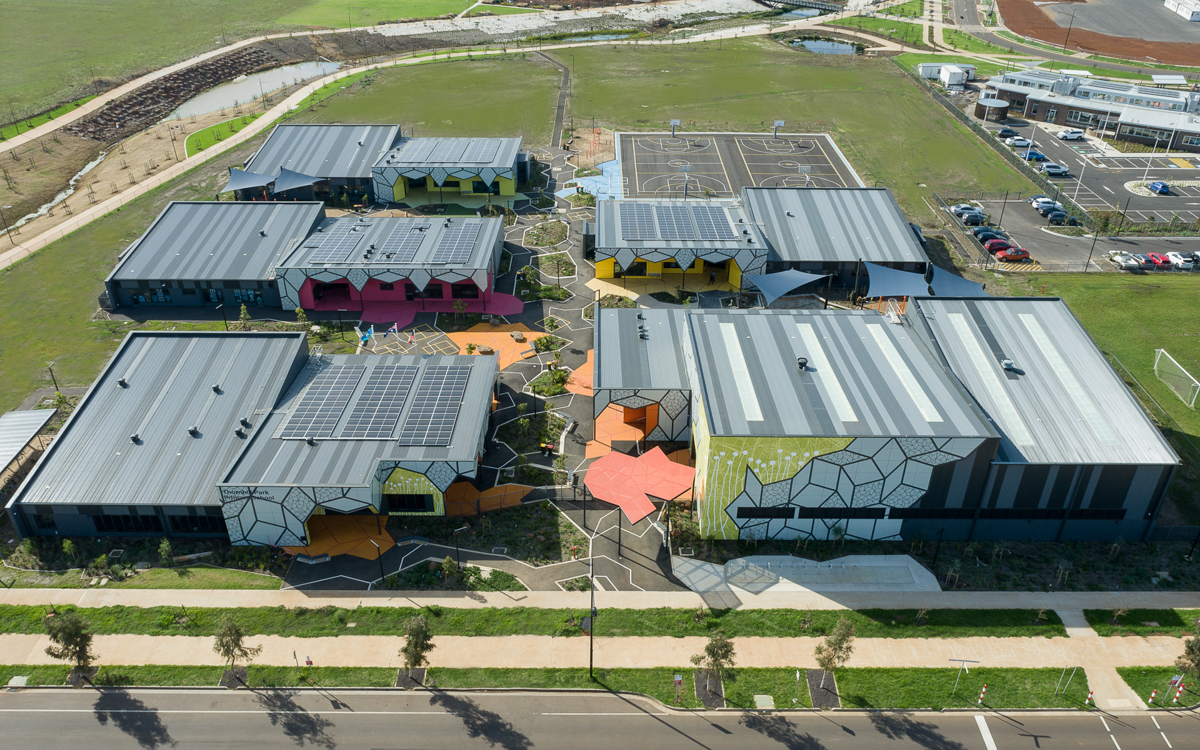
(626, 481)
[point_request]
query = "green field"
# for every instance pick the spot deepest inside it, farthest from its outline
(780, 683)
(751, 82)
(474, 98)
(968, 43)
(8, 131)
(912, 9)
(657, 683)
(1145, 680)
(213, 134)
(931, 688)
(1172, 622)
(339, 15)
(910, 33)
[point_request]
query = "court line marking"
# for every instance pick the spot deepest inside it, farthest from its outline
(830, 162)
(637, 186)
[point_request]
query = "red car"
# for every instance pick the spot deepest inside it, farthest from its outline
(1013, 255)
(993, 246)
(1159, 261)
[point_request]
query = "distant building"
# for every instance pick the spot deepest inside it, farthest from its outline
(1186, 9)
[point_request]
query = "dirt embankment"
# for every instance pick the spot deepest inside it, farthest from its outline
(1027, 19)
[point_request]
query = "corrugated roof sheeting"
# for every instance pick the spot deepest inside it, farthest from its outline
(1061, 403)
(218, 241)
(610, 237)
(841, 225)
(169, 388)
(339, 462)
(376, 230)
(17, 428)
(462, 153)
(624, 360)
(866, 377)
(329, 151)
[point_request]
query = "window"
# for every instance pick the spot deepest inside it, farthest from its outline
(45, 519)
(948, 514)
(407, 503)
(116, 283)
(198, 524)
(1020, 514)
(840, 512)
(1097, 514)
(783, 512)
(464, 291)
(1139, 132)
(671, 265)
(386, 286)
(124, 523)
(189, 291)
(1191, 140)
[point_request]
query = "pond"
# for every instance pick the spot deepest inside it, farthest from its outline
(599, 37)
(826, 46)
(802, 13)
(248, 88)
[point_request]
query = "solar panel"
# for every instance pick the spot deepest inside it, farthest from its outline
(674, 223)
(456, 244)
(416, 150)
(402, 244)
(449, 150)
(637, 222)
(323, 402)
(335, 244)
(713, 223)
(435, 408)
(481, 151)
(377, 409)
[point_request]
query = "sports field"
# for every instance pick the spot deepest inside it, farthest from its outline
(461, 98)
(886, 127)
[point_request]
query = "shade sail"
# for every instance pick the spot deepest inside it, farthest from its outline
(947, 284)
(888, 282)
(626, 481)
(240, 180)
(289, 180)
(775, 285)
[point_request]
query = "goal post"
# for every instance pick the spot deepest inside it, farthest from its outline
(1179, 380)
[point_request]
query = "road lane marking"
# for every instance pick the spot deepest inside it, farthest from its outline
(603, 713)
(1106, 187)
(1105, 723)
(217, 711)
(1156, 726)
(1164, 736)
(1114, 739)
(988, 742)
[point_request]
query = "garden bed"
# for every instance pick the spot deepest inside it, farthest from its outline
(546, 234)
(610, 301)
(557, 265)
(536, 533)
(526, 433)
(433, 576)
(551, 383)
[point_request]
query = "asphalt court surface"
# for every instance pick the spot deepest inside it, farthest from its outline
(719, 165)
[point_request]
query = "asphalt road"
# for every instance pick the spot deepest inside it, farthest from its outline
(99, 720)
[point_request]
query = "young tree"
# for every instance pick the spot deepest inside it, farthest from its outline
(69, 549)
(71, 638)
(833, 654)
(230, 643)
(301, 318)
(717, 660)
(165, 553)
(1189, 661)
(418, 642)
(244, 318)
(460, 308)
(449, 569)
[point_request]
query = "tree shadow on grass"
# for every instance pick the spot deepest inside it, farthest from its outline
(482, 723)
(296, 722)
(778, 728)
(133, 717)
(901, 726)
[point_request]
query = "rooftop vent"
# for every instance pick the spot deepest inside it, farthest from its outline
(216, 387)
(262, 233)
(134, 437)
(123, 383)
(802, 364)
(244, 422)
(193, 430)
(240, 432)
(789, 213)
(643, 336)
(1007, 364)
(310, 440)
(360, 143)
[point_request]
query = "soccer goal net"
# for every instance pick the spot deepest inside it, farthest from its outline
(1177, 379)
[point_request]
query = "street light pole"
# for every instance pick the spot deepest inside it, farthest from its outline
(1095, 236)
(379, 557)
(6, 230)
(50, 367)
(222, 309)
(457, 553)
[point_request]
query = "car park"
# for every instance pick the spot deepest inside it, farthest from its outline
(1012, 255)
(1035, 156)
(993, 246)
(1126, 262)
(989, 236)
(1050, 169)
(1007, 133)
(1039, 197)
(972, 220)
(1060, 218)
(1159, 261)
(1182, 261)
(1071, 135)
(1159, 188)
(1045, 209)
(982, 230)
(1018, 142)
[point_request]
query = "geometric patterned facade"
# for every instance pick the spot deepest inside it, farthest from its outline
(291, 280)
(749, 259)
(384, 179)
(671, 412)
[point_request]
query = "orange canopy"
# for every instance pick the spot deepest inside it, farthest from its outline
(626, 481)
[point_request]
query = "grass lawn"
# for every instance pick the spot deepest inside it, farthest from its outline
(1175, 622)
(8, 131)
(161, 674)
(1030, 43)
(501, 10)
(336, 14)
(326, 621)
(748, 83)
(261, 676)
(930, 688)
(658, 683)
(1145, 680)
(909, 33)
(198, 578)
(780, 683)
(475, 98)
(213, 134)
(51, 674)
(912, 9)
(968, 43)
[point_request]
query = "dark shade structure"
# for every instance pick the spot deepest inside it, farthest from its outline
(947, 284)
(888, 282)
(241, 180)
(289, 180)
(772, 286)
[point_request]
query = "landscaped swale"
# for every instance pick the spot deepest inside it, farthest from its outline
(550, 383)
(432, 575)
(658, 682)
(609, 301)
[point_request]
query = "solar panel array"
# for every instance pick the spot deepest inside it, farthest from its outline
(481, 151)
(435, 407)
(637, 222)
(713, 223)
(416, 150)
(456, 243)
(334, 245)
(402, 244)
(323, 402)
(674, 223)
(378, 407)
(448, 150)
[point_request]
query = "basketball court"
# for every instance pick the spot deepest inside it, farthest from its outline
(719, 165)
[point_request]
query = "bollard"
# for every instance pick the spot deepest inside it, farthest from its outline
(1088, 699)
(981, 694)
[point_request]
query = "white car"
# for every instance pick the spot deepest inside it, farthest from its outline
(1126, 261)
(1071, 135)
(1050, 169)
(1047, 202)
(1019, 142)
(1180, 261)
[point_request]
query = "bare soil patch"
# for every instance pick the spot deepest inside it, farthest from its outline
(1027, 19)
(823, 697)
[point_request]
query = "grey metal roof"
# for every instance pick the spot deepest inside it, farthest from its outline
(609, 237)
(270, 460)
(169, 387)
(830, 225)
(624, 360)
(220, 241)
(17, 428)
(866, 377)
(376, 230)
(464, 153)
(329, 151)
(1061, 403)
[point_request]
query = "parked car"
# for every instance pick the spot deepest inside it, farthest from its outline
(1012, 255)
(961, 211)
(1195, 256)
(1018, 142)
(1060, 218)
(1143, 261)
(1039, 197)
(1159, 188)
(1035, 156)
(960, 206)
(1071, 135)
(972, 219)
(995, 230)
(994, 246)
(1006, 133)
(1045, 209)
(1050, 169)
(989, 236)
(1159, 260)
(1182, 261)
(1126, 262)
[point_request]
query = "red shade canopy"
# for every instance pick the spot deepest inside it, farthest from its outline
(626, 481)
